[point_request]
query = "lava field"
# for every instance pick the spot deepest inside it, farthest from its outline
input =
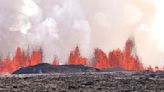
(123, 81)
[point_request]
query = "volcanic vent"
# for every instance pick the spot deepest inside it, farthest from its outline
(126, 59)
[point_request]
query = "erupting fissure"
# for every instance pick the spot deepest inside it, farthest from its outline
(21, 59)
(126, 59)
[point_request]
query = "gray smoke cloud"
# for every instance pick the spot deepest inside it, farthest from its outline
(57, 26)
(114, 21)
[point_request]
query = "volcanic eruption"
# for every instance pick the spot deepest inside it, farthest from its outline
(34, 32)
(126, 59)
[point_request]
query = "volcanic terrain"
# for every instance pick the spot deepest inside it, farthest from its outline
(119, 71)
(79, 78)
(123, 81)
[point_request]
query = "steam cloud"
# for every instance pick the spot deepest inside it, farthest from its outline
(57, 26)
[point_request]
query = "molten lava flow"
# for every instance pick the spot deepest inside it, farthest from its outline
(126, 59)
(119, 59)
(115, 58)
(55, 61)
(75, 57)
(101, 59)
(36, 57)
(130, 59)
(20, 60)
(7, 65)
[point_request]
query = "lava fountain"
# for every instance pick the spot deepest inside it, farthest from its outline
(126, 59)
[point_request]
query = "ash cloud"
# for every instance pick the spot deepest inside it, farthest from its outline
(57, 26)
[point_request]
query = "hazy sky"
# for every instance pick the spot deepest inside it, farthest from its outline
(59, 25)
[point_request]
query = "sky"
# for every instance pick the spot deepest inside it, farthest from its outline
(57, 26)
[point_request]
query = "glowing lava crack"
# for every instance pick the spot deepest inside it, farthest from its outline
(126, 59)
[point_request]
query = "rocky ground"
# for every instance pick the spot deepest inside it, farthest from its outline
(126, 81)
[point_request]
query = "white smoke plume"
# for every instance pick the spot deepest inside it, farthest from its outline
(114, 21)
(57, 26)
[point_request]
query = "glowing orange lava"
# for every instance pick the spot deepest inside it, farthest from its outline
(20, 60)
(75, 57)
(118, 59)
(126, 59)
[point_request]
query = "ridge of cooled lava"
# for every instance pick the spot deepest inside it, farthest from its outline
(48, 68)
(45, 68)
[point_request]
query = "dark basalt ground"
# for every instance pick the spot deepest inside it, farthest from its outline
(125, 81)
(48, 68)
(45, 68)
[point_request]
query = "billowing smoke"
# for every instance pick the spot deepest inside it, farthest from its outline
(114, 21)
(57, 26)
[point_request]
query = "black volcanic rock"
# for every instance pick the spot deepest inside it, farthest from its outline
(48, 68)
(112, 69)
(129, 81)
